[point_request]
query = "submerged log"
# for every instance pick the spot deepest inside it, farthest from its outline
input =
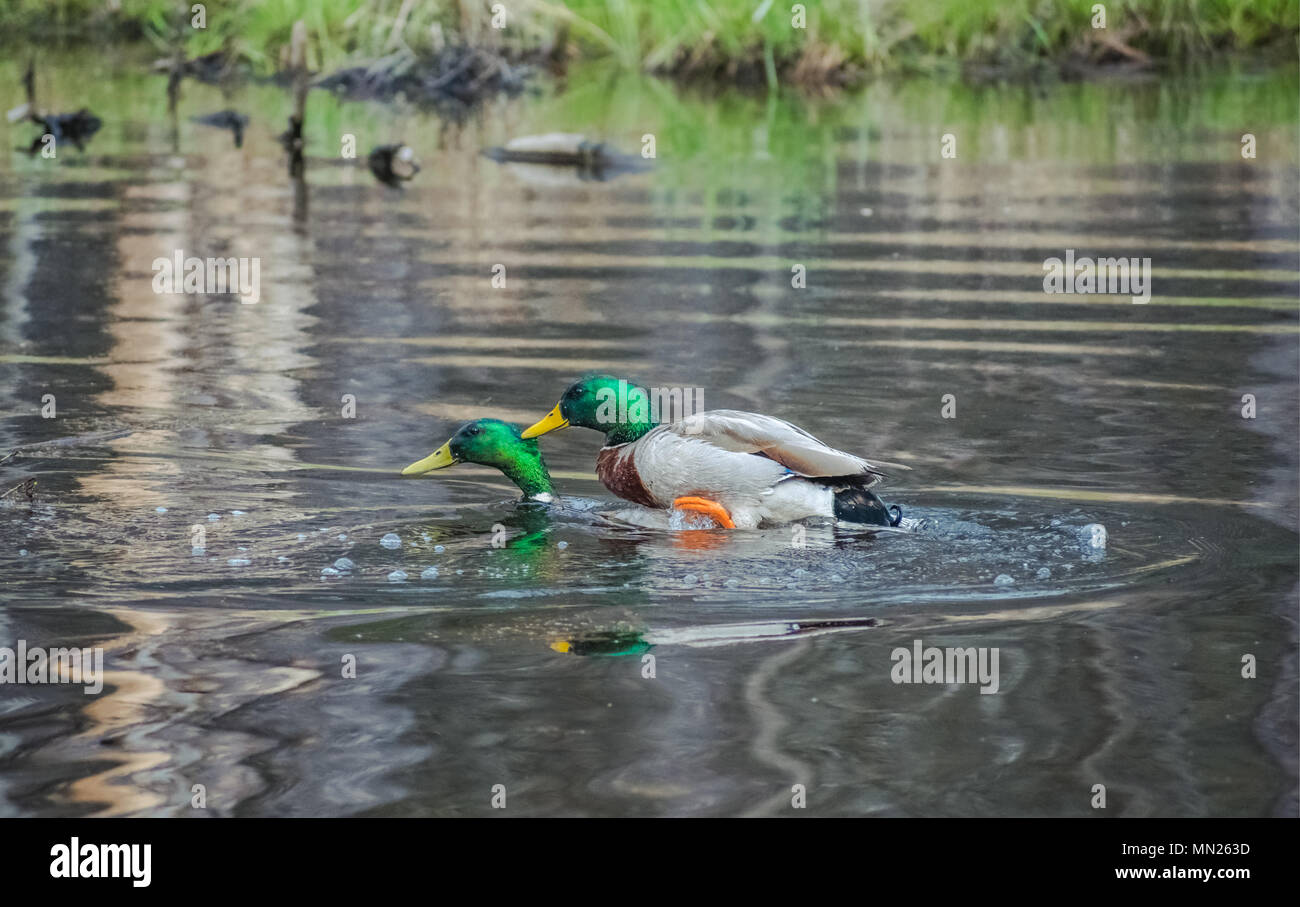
(592, 160)
(454, 80)
(562, 149)
(225, 119)
(213, 68)
(292, 139)
(76, 128)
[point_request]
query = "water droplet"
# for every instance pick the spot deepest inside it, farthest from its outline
(397, 576)
(1093, 536)
(344, 563)
(239, 562)
(690, 579)
(562, 545)
(1004, 580)
(160, 510)
(391, 540)
(212, 517)
(328, 571)
(429, 573)
(1043, 573)
(439, 549)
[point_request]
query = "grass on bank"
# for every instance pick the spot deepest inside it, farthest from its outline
(724, 39)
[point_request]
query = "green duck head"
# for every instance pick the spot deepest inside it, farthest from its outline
(607, 404)
(494, 443)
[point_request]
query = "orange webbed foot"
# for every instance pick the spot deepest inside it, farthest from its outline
(712, 509)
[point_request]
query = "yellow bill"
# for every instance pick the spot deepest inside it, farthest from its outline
(552, 422)
(439, 459)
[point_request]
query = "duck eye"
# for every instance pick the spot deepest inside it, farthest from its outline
(474, 431)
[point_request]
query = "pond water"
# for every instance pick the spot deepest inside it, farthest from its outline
(525, 665)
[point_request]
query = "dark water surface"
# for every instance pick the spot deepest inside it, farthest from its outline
(1119, 666)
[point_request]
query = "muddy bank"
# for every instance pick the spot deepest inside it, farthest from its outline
(454, 81)
(829, 45)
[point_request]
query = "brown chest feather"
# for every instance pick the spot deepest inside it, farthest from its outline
(615, 467)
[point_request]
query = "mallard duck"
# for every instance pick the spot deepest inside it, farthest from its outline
(494, 443)
(741, 469)
(491, 442)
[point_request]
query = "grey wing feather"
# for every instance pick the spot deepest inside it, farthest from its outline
(776, 439)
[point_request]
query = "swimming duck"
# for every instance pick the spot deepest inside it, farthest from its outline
(741, 469)
(494, 443)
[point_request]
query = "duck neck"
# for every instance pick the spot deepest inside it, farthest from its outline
(628, 410)
(532, 478)
(627, 432)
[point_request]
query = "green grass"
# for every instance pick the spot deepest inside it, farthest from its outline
(707, 37)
